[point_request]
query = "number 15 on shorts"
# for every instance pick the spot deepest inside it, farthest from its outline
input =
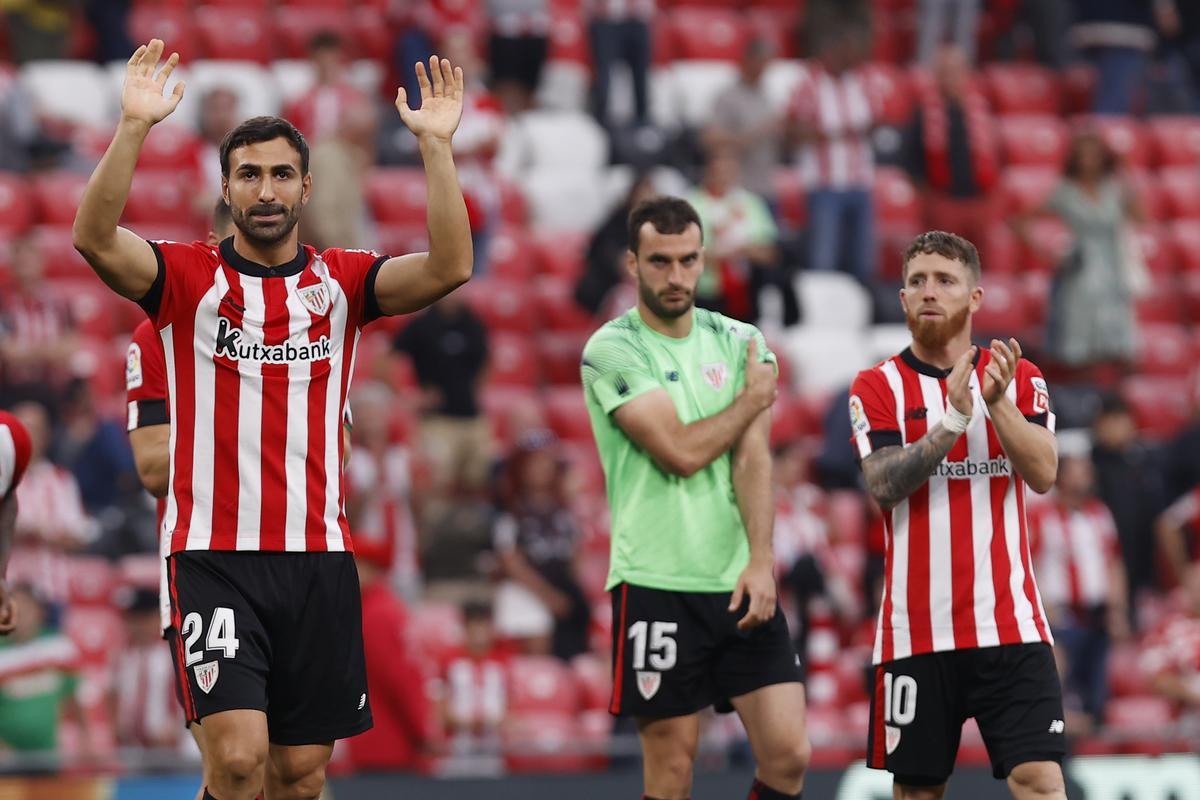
(659, 652)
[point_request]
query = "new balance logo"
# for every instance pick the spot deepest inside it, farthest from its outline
(229, 345)
(1058, 726)
(362, 701)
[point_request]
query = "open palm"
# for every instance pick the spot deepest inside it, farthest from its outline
(142, 97)
(441, 100)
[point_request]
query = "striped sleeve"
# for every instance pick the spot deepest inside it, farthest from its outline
(873, 421)
(1033, 396)
(145, 379)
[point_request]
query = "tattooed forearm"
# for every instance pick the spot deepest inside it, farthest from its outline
(893, 473)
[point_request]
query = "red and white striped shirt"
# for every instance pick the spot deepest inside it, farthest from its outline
(836, 107)
(1074, 552)
(15, 449)
(258, 362)
(957, 564)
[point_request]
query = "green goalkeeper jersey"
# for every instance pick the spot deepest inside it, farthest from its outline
(669, 532)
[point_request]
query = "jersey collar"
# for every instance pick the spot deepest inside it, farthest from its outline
(917, 365)
(248, 267)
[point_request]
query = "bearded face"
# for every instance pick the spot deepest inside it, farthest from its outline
(934, 329)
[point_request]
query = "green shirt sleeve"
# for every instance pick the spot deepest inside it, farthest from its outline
(745, 331)
(615, 370)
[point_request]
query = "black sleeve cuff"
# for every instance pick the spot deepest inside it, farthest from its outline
(880, 439)
(1039, 419)
(152, 300)
(152, 412)
(370, 301)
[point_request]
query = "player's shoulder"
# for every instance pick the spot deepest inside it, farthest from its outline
(343, 257)
(873, 375)
(144, 333)
(196, 252)
(16, 448)
(620, 331)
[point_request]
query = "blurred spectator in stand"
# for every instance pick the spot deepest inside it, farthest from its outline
(936, 18)
(619, 31)
(39, 678)
(400, 700)
(379, 501)
(20, 132)
(517, 49)
(1171, 654)
(1129, 481)
(837, 463)
(219, 113)
(1078, 559)
(52, 523)
(1182, 455)
(952, 153)
(604, 262)
(1117, 38)
(1091, 325)
(1179, 23)
(110, 20)
(829, 129)
(1041, 23)
(536, 542)
(337, 215)
(475, 145)
(319, 112)
(97, 452)
(37, 331)
(741, 245)
(448, 345)
(142, 684)
(419, 25)
(744, 119)
(38, 30)
(1177, 531)
(472, 677)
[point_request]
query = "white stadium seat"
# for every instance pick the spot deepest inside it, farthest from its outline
(77, 91)
(696, 84)
(254, 85)
(833, 300)
(569, 140)
(564, 87)
(780, 81)
(824, 359)
(569, 200)
(885, 341)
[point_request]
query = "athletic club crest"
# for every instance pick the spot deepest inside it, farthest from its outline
(716, 374)
(206, 675)
(648, 683)
(891, 738)
(315, 298)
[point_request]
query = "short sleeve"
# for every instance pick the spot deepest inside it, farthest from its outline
(615, 371)
(872, 411)
(185, 273)
(356, 272)
(1033, 396)
(15, 450)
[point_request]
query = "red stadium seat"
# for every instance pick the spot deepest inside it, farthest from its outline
(559, 355)
(511, 360)
(1189, 287)
(160, 196)
(397, 240)
(568, 38)
(1158, 249)
(542, 742)
(847, 512)
(511, 255)
(1124, 671)
(1003, 310)
(97, 631)
(59, 256)
(296, 26)
(1033, 139)
(1176, 140)
(171, 24)
(243, 34)
(434, 628)
(168, 146)
(1125, 135)
(892, 38)
(56, 195)
(1000, 251)
(541, 683)
(397, 195)
(1078, 85)
(1164, 350)
(558, 310)
(90, 581)
(16, 207)
(1049, 242)
(1143, 183)
(707, 33)
(889, 91)
(561, 254)
(511, 409)
(1026, 188)
(896, 202)
(1023, 89)
(503, 305)
(1162, 302)
(370, 32)
(1181, 188)
(1160, 404)
(779, 26)
(567, 414)
(1185, 238)
(512, 203)
(1144, 715)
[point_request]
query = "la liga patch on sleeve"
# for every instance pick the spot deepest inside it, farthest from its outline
(858, 416)
(1041, 396)
(133, 367)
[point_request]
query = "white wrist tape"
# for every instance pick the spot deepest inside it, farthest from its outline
(955, 421)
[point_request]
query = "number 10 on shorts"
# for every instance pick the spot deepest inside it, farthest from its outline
(899, 699)
(222, 634)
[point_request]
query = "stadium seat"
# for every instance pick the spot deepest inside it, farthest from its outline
(825, 359)
(1033, 139)
(1181, 188)
(833, 300)
(1162, 301)
(541, 683)
(295, 26)
(595, 728)
(562, 139)
(707, 33)
(1000, 251)
(896, 201)
(1124, 673)
(1144, 185)
(253, 84)
(1164, 349)
(236, 34)
(847, 516)
(568, 40)
(1078, 83)
(511, 255)
(1138, 715)
(503, 305)
(779, 82)
(56, 195)
(892, 38)
(90, 581)
(59, 256)
(168, 147)
(1003, 310)
(559, 354)
(1026, 188)
(396, 240)
(97, 631)
(1158, 249)
(434, 628)
(558, 311)
(511, 360)
(171, 24)
(510, 409)
(1176, 140)
(140, 570)
(16, 206)
(542, 742)
(512, 203)
(1022, 89)
(564, 199)
(396, 195)
(889, 91)
(1185, 239)
(1125, 135)
(777, 25)
(560, 255)
(887, 339)
(567, 413)
(1049, 242)
(1160, 404)
(160, 196)
(697, 83)
(1189, 288)
(75, 91)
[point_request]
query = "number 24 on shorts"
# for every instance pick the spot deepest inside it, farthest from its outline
(221, 634)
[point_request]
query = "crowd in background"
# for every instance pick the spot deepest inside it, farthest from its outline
(477, 507)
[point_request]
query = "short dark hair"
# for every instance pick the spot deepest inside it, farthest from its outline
(670, 215)
(222, 215)
(476, 610)
(263, 129)
(1112, 404)
(324, 39)
(947, 245)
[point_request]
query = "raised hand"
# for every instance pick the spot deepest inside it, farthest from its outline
(142, 97)
(1000, 370)
(958, 383)
(441, 100)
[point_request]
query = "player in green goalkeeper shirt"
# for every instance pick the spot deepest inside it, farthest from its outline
(680, 403)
